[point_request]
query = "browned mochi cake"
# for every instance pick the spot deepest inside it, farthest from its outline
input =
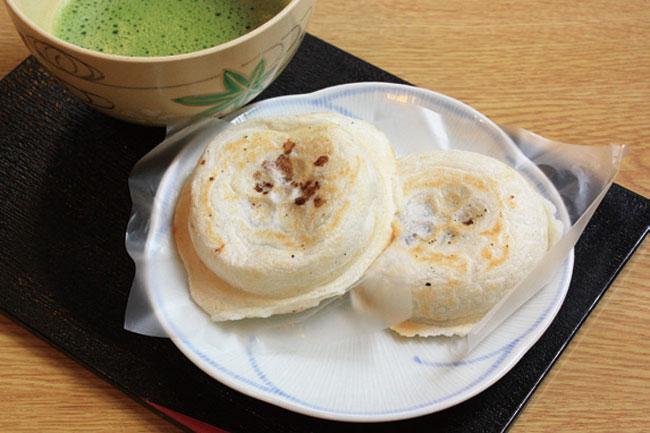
(470, 228)
(284, 212)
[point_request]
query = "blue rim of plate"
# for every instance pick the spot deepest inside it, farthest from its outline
(264, 389)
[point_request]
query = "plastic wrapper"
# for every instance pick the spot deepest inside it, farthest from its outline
(574, 178)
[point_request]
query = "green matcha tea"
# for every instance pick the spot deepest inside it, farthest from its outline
(159, 27)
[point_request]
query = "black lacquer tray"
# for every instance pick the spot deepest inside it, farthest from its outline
(65, 275)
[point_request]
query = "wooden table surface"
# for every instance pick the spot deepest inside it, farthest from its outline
(574, 71)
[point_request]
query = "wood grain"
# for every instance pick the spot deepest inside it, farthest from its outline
(45, 391)
(573, 71)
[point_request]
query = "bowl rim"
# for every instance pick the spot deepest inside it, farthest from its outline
(15, 10)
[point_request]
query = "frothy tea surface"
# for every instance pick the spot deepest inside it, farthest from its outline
(159, 27)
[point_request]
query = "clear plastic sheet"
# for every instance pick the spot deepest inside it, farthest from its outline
(573, 177)
(578, 177)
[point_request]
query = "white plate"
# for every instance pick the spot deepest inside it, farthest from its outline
(385, 378)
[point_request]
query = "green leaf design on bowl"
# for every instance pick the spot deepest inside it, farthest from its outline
(239, 90)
